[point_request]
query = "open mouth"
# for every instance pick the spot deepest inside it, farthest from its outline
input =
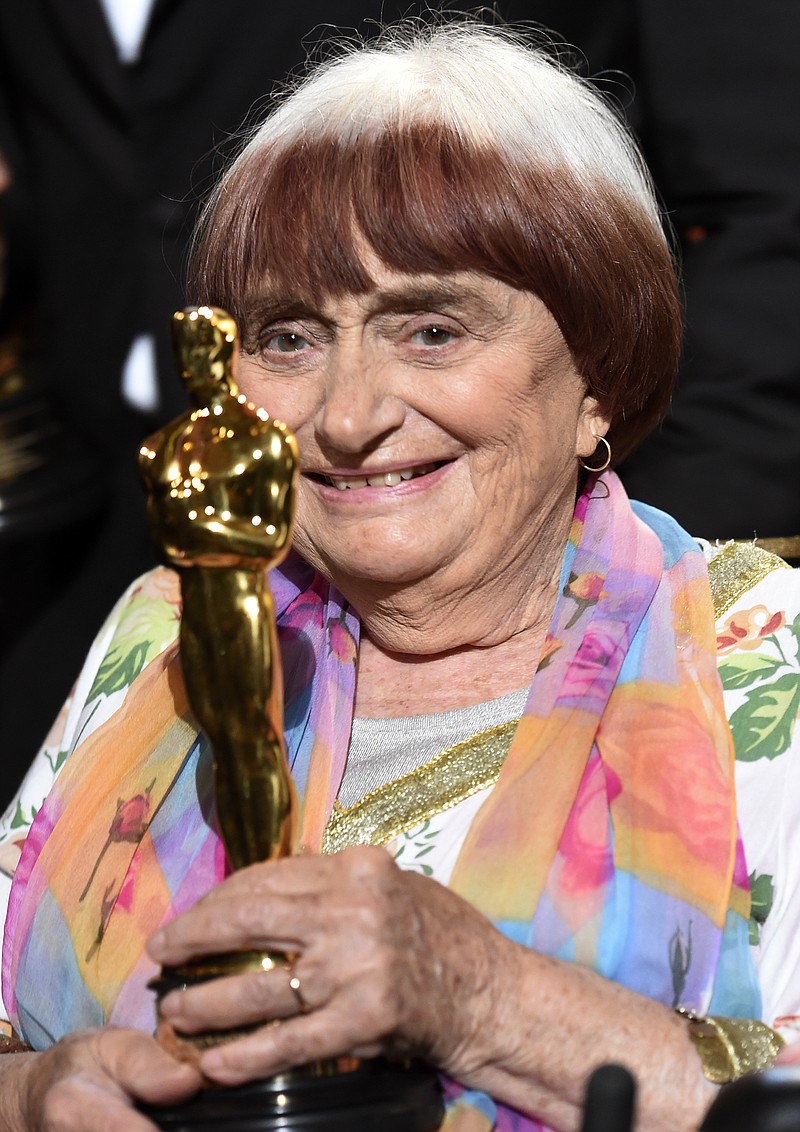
(382, 479)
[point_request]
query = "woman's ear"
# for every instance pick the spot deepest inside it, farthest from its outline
(593, 422)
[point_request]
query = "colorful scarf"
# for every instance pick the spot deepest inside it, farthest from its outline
(632, 866)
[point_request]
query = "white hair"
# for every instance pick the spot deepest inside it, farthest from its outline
(489, 86)
(459, 148)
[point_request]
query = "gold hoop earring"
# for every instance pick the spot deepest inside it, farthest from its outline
(607, 461)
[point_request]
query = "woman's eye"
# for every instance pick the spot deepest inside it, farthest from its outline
(284, 342)
(433, 336)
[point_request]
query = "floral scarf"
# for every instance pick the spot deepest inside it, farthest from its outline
(633, 867)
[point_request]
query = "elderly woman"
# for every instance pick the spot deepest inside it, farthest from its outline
(454, 288)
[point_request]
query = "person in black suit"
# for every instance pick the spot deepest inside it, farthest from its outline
(111, 161)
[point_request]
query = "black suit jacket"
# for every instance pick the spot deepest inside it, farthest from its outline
(720, 88)
(111, 161)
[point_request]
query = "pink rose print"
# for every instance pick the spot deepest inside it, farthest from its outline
(551, 647)
(340, 640)
(585, 590)
(131, 818)
(162, 584)
(586, 587)
(596, 662)
(585, 849)
(128, 824)
(125, 897)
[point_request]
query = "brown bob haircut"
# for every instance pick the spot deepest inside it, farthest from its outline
(458, 148)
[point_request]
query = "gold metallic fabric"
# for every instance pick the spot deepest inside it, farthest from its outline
(736, 569)
(729, 1048)
(438, 785)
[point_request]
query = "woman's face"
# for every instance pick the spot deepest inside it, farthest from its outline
(439, 420)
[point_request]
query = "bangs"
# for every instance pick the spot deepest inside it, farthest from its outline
(292, 218)
(423, 200)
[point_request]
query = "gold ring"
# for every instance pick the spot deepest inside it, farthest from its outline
(294, 986)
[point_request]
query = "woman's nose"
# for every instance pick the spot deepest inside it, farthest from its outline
(359, 409)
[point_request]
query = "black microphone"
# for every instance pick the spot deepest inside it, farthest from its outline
(609, 1100)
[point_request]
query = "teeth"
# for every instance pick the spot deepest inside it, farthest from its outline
(343, 485)
(388, 479)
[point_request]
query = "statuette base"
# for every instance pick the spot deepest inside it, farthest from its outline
(372, 1096)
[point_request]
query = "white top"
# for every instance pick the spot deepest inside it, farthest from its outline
(127, 21)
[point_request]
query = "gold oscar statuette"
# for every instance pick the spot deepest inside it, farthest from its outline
(220, 485)
(220, 482)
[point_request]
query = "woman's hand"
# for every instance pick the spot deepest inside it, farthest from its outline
(391, 962)
(387, 962)
(89, 1082)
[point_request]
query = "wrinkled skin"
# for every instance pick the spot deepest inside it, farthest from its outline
(87, 1082)
(383, 957)
(388, 961)
(393, 962)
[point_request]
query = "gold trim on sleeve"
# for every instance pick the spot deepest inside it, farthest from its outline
(729, 1048)
(736, 569)
(436, 786)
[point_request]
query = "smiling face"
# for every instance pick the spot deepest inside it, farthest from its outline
(439, 421)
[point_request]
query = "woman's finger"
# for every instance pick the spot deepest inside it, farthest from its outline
(76, 1105)
(142, 1069)
(232, 923)
(238, 1000)
(332, 896)
(272, 1049)
(386, 960)
(89, 1082)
